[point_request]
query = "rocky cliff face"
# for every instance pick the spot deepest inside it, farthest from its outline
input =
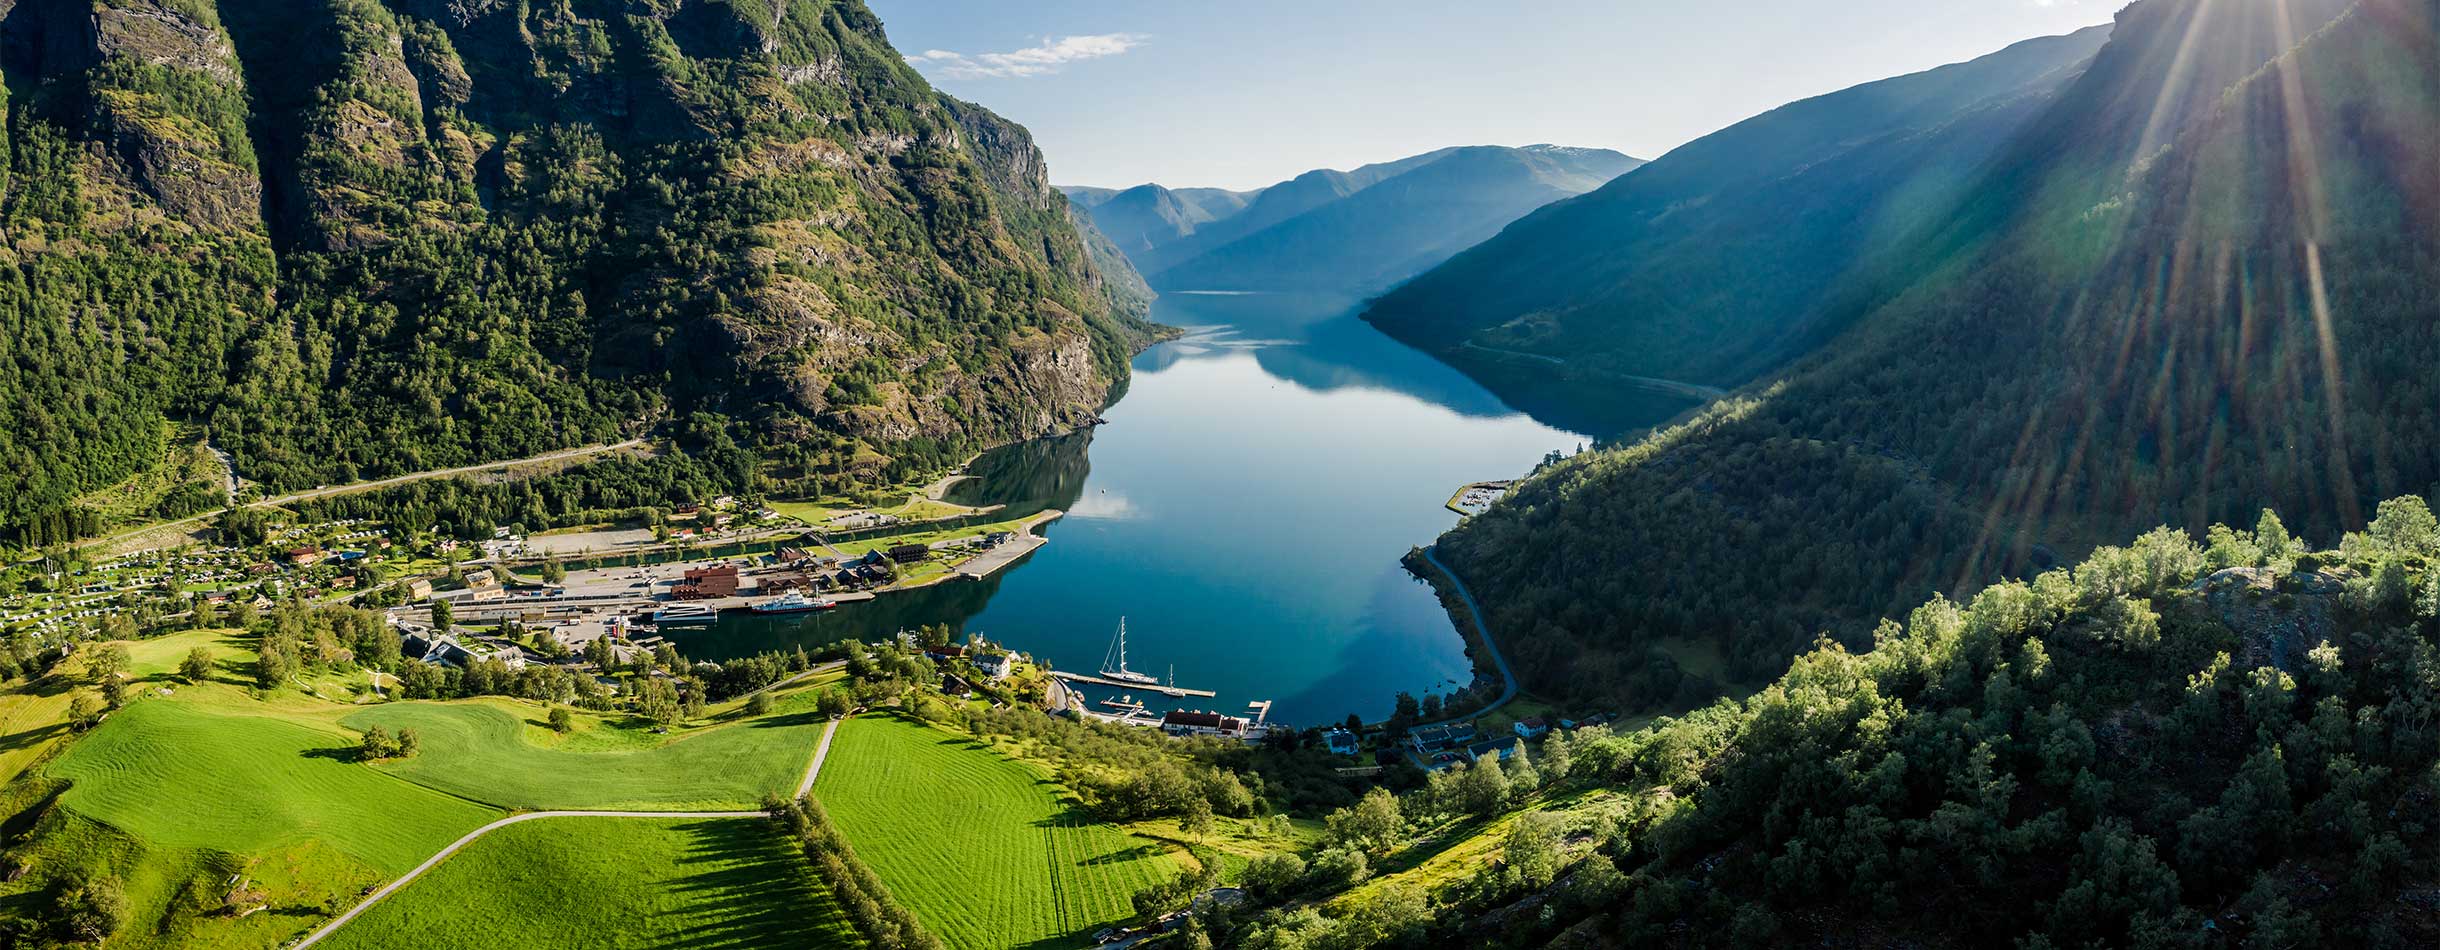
(504, 227)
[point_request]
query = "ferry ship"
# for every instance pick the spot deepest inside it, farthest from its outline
(793, 602)
(685, 615)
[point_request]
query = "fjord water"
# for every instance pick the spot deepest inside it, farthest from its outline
(1245, 509)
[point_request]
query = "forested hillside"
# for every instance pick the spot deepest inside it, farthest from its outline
(1728, 256)
(2172, 744)
(2202, 281)
(351, 238)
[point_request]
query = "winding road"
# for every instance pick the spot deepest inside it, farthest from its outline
(1508, 690)
(821, 751)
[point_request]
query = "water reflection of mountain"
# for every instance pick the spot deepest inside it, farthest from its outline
(1029, 476)
(1316, 341)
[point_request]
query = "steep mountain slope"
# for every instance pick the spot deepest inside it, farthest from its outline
(503, 228)
(2202, 282)
(1720, 260)
(1145, 218)
(1400, 225)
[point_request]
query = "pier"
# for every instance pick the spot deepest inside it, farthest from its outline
(1137, 687)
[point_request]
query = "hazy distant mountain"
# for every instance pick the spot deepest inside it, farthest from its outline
(1144, 218)
(1387, 231)
(1712, 264)
(1359, 230)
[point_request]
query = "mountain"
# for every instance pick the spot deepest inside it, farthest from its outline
(2171, 744)
(1719, 261)
(2200, 282)
(1345, 231)
(349, 238)
(1384, 232)
(1146, 217)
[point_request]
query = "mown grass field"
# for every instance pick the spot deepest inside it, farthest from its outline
(187, 775)
(985, 850)
(610, 883)
(503, 754)
(193, 791)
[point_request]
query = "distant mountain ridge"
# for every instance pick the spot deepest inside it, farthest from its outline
(1356, 231)
(1717, 261)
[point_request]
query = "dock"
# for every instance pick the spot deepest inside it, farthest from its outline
(1137, 687)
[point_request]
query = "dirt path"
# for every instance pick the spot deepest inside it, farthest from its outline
(812, 771)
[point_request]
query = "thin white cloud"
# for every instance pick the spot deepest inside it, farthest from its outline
(1048, 57)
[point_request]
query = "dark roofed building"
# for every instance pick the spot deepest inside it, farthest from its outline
(1184, 722)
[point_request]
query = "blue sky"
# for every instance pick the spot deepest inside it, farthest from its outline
(1242, 93)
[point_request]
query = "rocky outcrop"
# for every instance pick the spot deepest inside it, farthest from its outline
(2276, 619)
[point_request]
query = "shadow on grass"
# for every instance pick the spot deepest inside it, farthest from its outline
(756, 890)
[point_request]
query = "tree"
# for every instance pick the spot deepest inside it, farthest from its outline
(109, 660)
(1274, 876)
(1481, 790)
(1371, 824)
(1197, 820)
(376, 744)
(272, 669)
(1532, 849)
(1340, 868)
(759, 704)
(197, 665)
(409, 743)
(91, 909)
(85, 711)
(553, 572)
(658, 701)
(833, 703)
(560, 721)
(444, 617)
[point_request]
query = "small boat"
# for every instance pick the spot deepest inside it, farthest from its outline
(1120, 672)
(685, 615)
(793, 602)
(1172, 687)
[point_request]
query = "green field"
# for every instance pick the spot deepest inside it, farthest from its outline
(501, 753)
(986, 850)
(187, 775)
(611, 883)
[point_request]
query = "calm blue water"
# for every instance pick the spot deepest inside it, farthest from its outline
(1245, 510)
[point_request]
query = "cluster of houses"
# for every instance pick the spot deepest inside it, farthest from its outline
(1443, 745)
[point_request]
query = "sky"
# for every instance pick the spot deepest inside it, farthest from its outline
(1244, 93)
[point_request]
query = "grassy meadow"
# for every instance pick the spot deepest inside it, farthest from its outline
(501, 752)
(611, 883)
(986, 850)
(197, 797)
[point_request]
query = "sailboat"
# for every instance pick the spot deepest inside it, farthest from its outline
(1120, 672)
(1172, 689)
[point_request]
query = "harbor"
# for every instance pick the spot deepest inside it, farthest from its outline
(1122, 684)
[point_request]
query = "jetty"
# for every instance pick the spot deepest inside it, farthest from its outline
(1137, 687)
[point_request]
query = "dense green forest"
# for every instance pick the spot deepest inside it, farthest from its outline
(2200, 282)
(352, 239)
(2172, 744)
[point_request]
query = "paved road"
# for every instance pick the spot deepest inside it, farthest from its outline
(376, 896)
(1507, 691)
(820, 752)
